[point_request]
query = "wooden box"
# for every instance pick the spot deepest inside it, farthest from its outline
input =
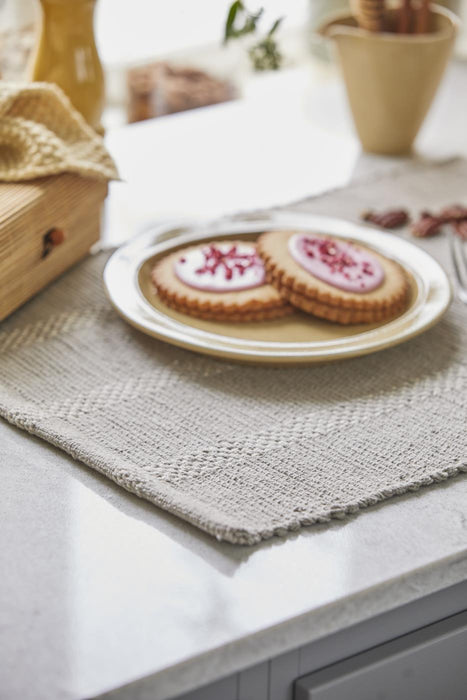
(46, 225)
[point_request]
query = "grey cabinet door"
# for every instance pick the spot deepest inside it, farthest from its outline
(429, 664)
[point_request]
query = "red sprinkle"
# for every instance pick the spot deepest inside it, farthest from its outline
(330, 255)
(230, 261)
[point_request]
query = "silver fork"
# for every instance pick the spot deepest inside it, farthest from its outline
(459, 262)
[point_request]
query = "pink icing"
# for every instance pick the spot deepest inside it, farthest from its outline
(221, 267)
(338, 263)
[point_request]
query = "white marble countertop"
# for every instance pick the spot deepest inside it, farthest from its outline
(99, 589)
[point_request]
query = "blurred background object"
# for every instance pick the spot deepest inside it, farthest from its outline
(390, 102)
(264, 52)
(18, 21)
(182, 35)
(66, 54)
(162, 88)
(323, 10)
(320, 12)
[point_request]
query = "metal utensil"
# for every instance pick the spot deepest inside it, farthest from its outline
(459, 263)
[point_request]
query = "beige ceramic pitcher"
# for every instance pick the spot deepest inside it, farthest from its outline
(391, 79)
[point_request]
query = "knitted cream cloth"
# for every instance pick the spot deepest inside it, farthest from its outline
(41, 133)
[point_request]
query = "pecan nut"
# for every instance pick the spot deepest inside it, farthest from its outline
(393, 218)
(460, 227)
(427, 225)
(455, 212)
(431, 224)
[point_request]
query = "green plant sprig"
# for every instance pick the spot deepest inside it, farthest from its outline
(237, 11)
(265, 54)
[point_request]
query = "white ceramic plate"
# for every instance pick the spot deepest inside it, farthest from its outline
(298, 338)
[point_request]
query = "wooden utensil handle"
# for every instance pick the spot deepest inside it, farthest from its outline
(422, 17)
(405, 17)
(369, 14)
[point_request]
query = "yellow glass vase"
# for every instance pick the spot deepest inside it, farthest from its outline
(66, 54)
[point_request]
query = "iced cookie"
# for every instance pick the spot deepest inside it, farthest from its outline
(333, 278)
(219, 281)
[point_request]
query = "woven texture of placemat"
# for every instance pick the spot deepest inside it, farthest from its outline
(41, 133)
(244, 452)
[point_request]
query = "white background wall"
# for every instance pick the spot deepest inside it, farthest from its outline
(133, 30)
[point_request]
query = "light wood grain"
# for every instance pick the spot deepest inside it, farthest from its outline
(27, 212)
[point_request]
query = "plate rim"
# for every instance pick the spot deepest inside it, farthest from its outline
(139, 250)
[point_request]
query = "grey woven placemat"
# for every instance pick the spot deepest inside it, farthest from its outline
(244, 452)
